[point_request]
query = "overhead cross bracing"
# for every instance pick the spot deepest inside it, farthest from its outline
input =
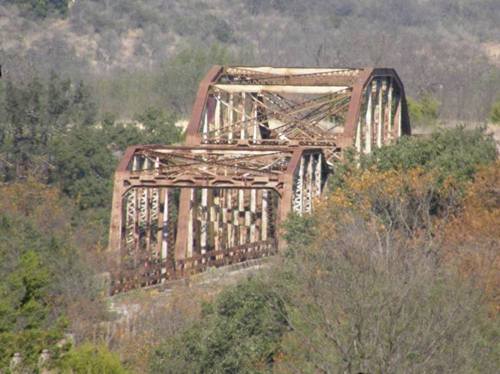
(333, 108)
(260, 144)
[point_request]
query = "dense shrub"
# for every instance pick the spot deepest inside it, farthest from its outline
(238, 333)
(41, 272)
(90, 359)
(364, 299)
(423, 112)
(495, 112)
(42, 8)
(377, 275)
(456, 153)
(372, 281)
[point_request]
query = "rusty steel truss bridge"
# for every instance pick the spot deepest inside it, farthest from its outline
(260, 144)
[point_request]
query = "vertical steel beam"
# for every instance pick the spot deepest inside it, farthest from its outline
(244, 125)
(241, 216)
(253, 210)
(381, 89)
(190, 223)
(230, 118)
(298, 196)
(204, 220)
(205, 126)
(255, 122)
(164, 229)
(398, 117)
(265, 214)
(358, 136)
(309, 185)
(230, 219)
(217, 115)
(147, 214)
(181, 242)
(216, 221)
(368, 127)
(318, 174)
(389, 110)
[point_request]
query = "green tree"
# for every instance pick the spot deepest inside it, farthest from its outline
(42, 275)
(84, 166)
(42, 8)
(373, 286)
(451, 152)
(495, 112)
(27, 322)
(58, 101)
(83, 108)
(33, 114)
(25, 131)
(159, 127)
(356, 307)
(239, 333)
(425, 111)
(457, 153)
(181, 75)
(152, 126)
(91, 359)
(299, 231)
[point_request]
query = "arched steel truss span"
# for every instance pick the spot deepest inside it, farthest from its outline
(261, 143)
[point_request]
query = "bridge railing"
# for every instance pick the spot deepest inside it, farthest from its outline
(151, 273)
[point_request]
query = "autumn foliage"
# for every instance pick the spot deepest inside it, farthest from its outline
(396, 271)
(473, 235)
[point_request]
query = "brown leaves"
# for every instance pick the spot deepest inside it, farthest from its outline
(473, 236)
(36, 201)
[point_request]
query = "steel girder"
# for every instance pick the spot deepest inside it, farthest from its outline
(331, 108)
(260, 143)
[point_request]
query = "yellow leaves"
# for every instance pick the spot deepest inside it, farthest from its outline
(460, 223)
(473, 237)
(481, 207)
(409, 206)
(363, 192)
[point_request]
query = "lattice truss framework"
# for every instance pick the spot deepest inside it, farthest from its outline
(181, 209)
(331, 108)
(261, 142)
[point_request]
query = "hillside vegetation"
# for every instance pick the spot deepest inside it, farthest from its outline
(137, 53)
(397, 271)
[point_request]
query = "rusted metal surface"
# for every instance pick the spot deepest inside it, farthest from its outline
(260, 144)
